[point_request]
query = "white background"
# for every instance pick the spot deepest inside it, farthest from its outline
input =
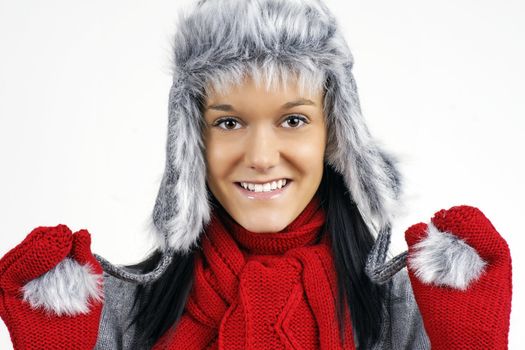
(83, 114)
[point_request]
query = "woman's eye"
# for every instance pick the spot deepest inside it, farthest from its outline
(226, 121)
(294, 122)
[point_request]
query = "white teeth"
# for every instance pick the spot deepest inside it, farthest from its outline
(267, 187)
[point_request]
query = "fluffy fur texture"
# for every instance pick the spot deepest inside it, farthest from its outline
(442, 258)
(65, 290)
(218, 44)
(273, 41)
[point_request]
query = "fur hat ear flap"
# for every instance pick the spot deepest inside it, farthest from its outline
(369, 172)
(182, 208)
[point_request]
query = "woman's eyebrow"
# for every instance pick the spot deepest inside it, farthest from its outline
(229, 108)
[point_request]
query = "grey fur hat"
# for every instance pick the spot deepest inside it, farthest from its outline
(218, 42)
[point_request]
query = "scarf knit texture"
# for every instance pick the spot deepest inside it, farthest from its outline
(274, 290)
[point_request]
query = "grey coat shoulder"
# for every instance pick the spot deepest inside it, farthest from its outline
(403, 327)
(117, 313)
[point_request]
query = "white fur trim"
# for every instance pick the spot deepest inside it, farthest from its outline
(442, 258)
(65, 289)
(274, 41)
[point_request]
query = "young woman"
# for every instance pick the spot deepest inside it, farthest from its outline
(273, 218)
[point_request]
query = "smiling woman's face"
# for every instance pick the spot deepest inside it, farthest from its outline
(256, 137)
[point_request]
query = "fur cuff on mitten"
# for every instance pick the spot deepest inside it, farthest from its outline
(460, 270)
(67, 288)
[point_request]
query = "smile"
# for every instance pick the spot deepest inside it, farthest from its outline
(264, 187)
(259, 192)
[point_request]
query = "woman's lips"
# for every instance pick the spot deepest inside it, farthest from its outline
(263, 195)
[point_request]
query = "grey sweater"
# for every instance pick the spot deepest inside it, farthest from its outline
(403, 327)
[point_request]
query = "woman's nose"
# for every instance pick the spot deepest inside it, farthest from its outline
(262, 150)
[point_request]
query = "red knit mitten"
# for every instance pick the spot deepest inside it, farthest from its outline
(460, 270)
(51, 294)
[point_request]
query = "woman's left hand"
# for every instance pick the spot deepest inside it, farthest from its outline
(461, 274)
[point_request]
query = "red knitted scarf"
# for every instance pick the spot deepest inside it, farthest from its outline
(262, 290)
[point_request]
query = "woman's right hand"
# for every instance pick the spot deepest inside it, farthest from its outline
(51, 290)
